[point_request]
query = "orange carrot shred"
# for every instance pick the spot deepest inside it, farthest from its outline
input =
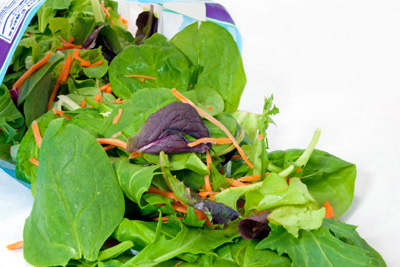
(298, 170)
(116, 119)
(236, 157)
(328, 210)
(105, 10)
(108, 147)
(61, 113)
(135, 155)
(219, 141)
(118, 101)
(260, 137)
(204, 194)
(98, 98)
(290, 179)
(236, 183)
(16, 245)
(34, 161)
(210, 108)
(83, 103)
(36, 133)
(110, 141)
(98, 63)
(207, 176)
(62, 78)
(155, 190)
(142, 77)
(84, 63)
(250, 178)
(214, 121)
(104, 87)
(31, 70)
(116, 134)
(109, 90)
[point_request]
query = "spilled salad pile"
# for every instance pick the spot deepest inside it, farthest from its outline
(137, 155)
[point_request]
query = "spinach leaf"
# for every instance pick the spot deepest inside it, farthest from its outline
(168, 130)
(327, 177)
(155, 58)
(213, 48)
(48, 11)
(10, 117)
(37, 101)
(188, 240)
(78, 181)
(134, 179)
(32, 81)
(322, 247)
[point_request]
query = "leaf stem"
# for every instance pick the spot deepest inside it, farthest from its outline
(302, 160)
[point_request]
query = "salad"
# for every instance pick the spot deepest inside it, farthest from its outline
(137, 155)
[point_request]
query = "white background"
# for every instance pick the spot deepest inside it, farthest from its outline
(329, 64)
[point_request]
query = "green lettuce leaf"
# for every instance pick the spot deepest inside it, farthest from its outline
(334, 244)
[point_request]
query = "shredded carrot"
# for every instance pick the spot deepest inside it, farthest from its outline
(210, 108)
(116, 134)
(34, 161)
(62, 78)
(155, 190)
(214, 121)
(67, 45)
(104, 87)
(83, 103)
(236, 183)
(61, 113)
(112, 22)
(98, 63)
(286, 179)
(219, 141)
(165, 218)
(31, 70)
(204, 194)
(105, 10)
(142, 77)
(109, 90)
(199, 214)
(236, 157)
(135, 155)
(207, 176)
(98, 98)
(249, 178)
(36, 133)
(298, 170)
(108, 147)
(290, 179)
(17, 245)
(116, 119)
(260, 137)
(84, 63)
(110, 141)
(328, 210)
(118, 101)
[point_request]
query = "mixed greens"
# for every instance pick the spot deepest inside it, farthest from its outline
(137, 155)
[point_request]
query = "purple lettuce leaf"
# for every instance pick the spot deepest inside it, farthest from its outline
(220, 213)
(165, 130)
(254, 227)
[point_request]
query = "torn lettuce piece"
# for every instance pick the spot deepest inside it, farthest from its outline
(170, 130)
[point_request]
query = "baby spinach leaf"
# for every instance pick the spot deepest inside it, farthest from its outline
(320, 247)
(213, 48)
(28, 148)
(209, 99)
(188, 240)
(166, 130)
(134, 179)
(78, 181)
(32, 81)
(327, 177)
(155, 58)
(37, 101)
